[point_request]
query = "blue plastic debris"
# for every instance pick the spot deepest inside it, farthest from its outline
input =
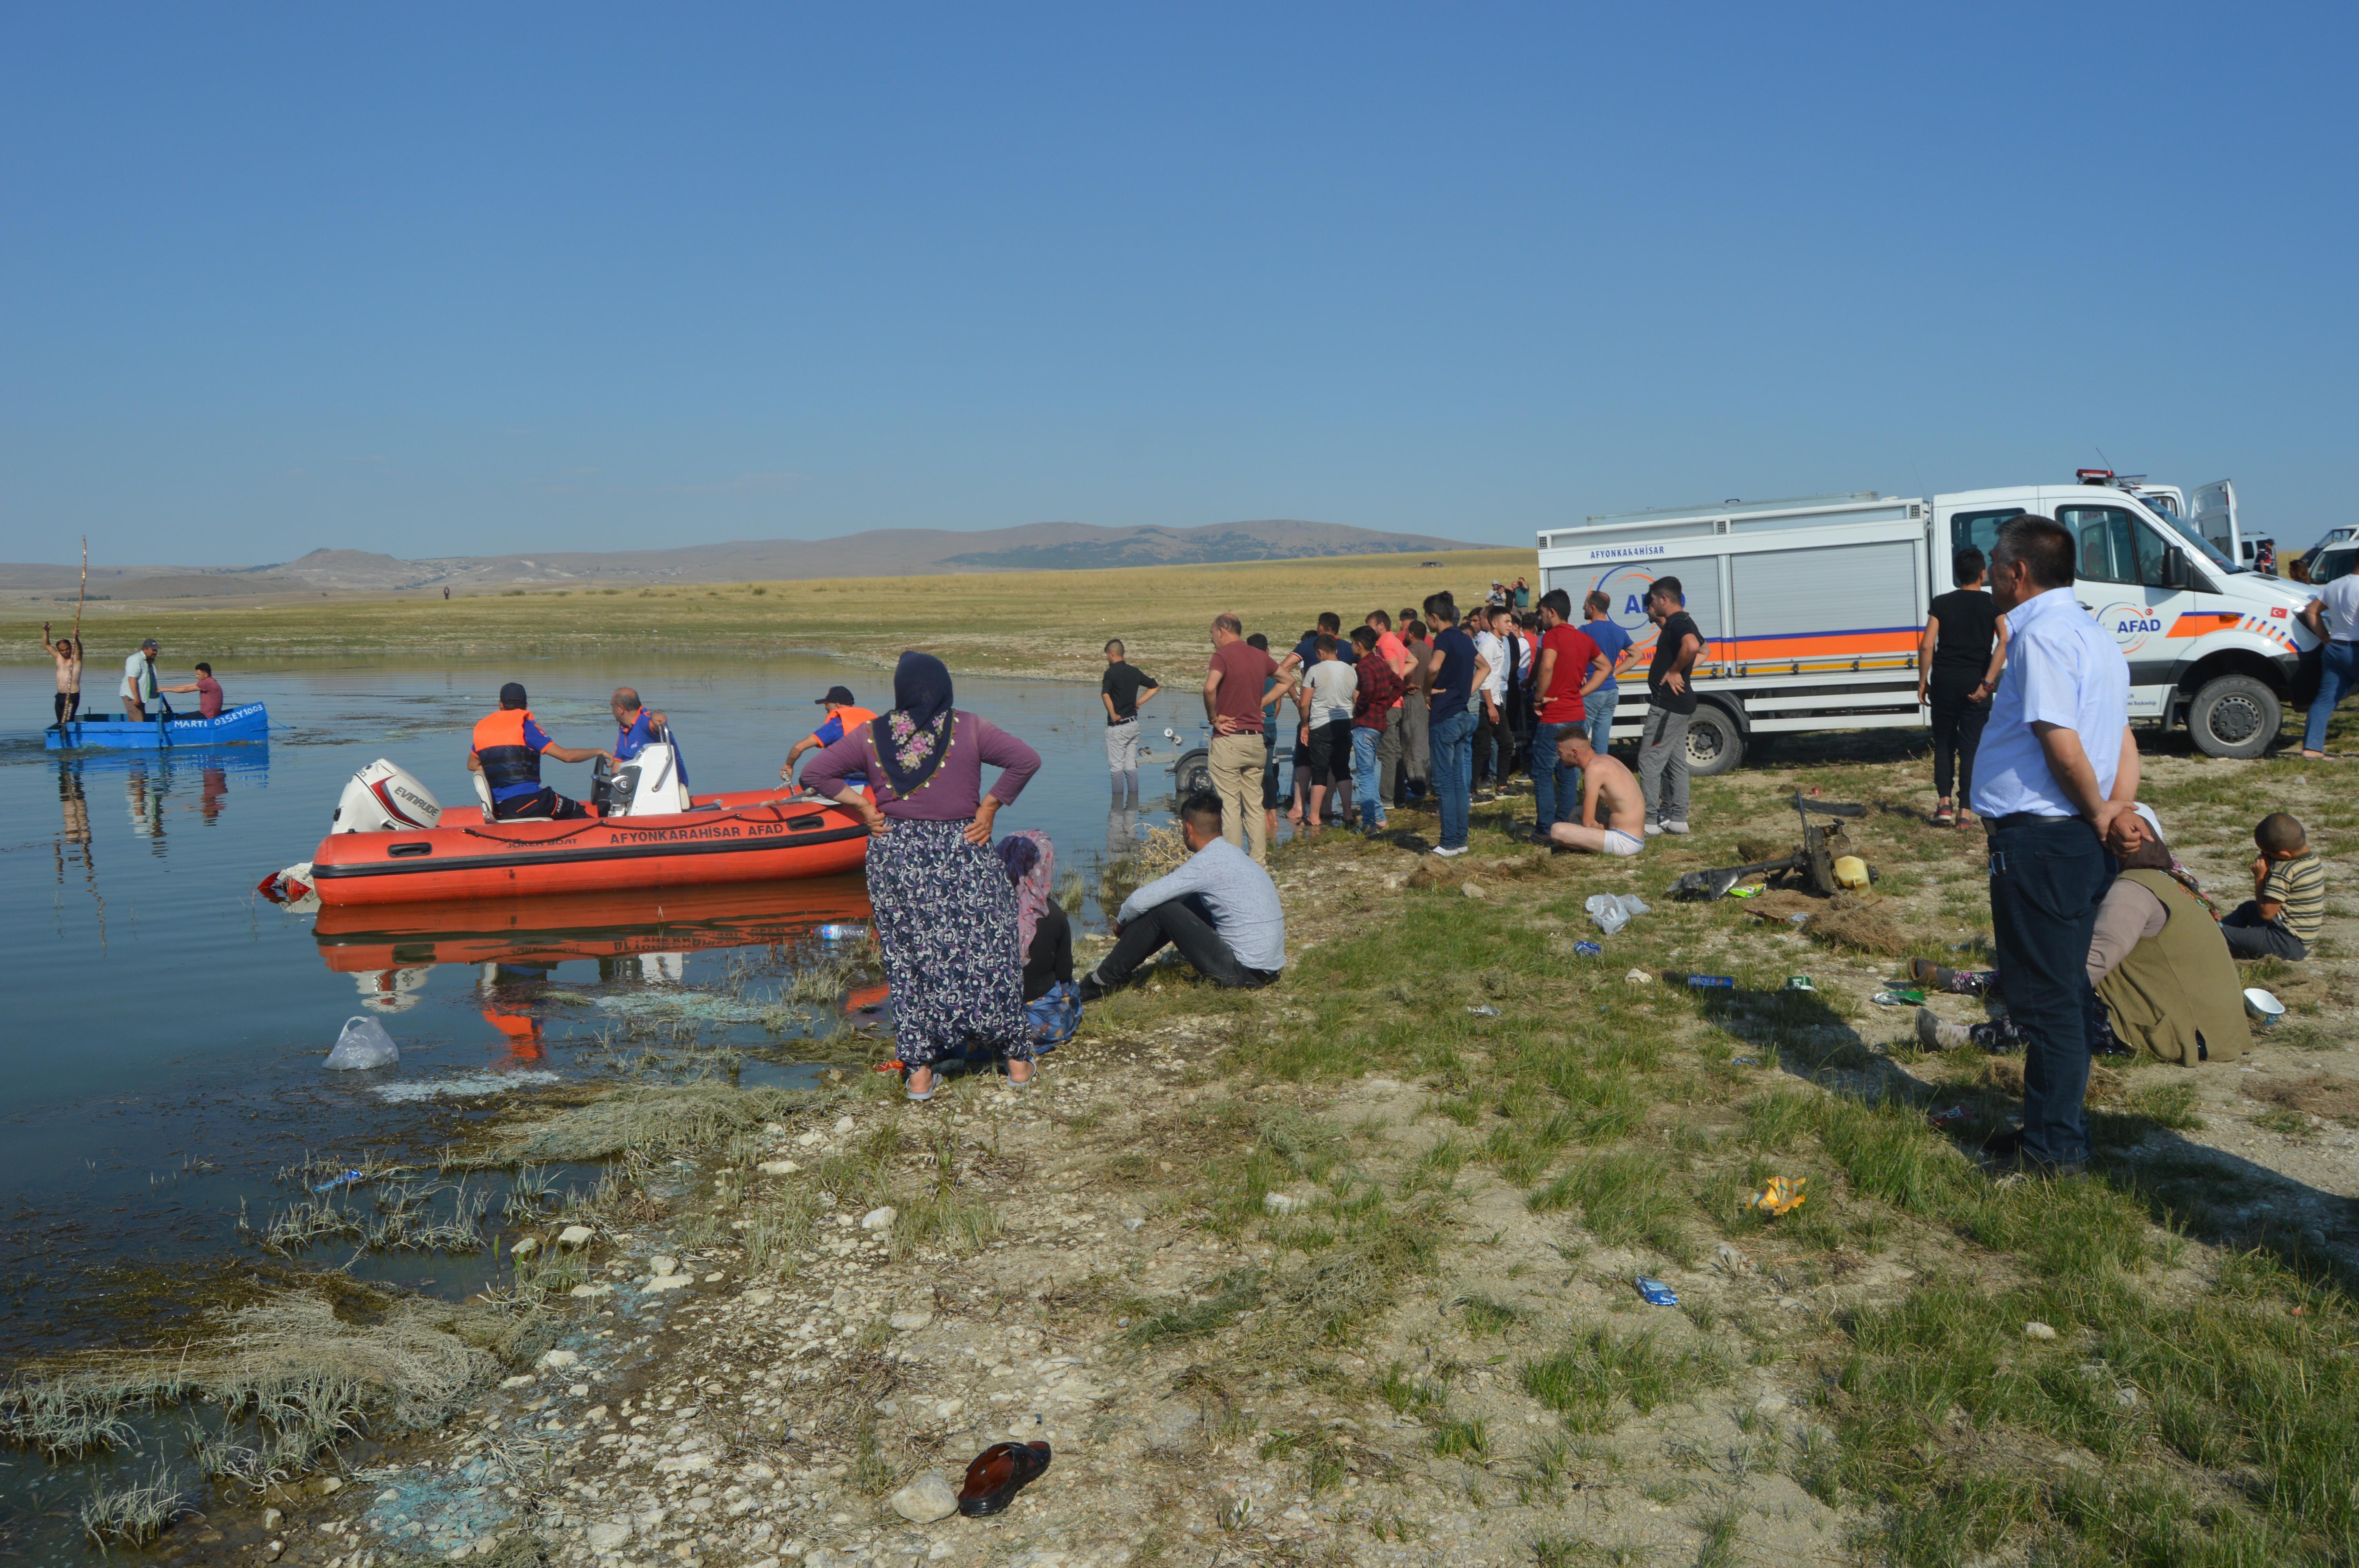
(1587, 949)
(1654, 1292)
(332, 1182)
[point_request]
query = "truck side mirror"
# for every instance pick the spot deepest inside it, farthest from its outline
(2176, 572)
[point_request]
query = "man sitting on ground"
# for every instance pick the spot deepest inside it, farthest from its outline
(1219, 909)
(2281, 919)
(507, 750)
(1608, 790)
(2158, 963)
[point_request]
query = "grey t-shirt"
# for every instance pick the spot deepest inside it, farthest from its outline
(1332, 685)
(1239, 895)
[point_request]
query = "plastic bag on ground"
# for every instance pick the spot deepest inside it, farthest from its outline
(1613, 911)
(364, 1044)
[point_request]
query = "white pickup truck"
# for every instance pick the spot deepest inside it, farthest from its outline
(1811, 610)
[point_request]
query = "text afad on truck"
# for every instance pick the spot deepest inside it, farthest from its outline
(1811, 610)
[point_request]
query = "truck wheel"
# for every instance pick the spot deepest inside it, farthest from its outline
(2235, 716)
(1193, 771)
(1714, 744)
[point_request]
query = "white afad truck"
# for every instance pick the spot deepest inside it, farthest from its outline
(1811, 610)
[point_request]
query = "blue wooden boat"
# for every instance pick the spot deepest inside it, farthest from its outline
(251, 722)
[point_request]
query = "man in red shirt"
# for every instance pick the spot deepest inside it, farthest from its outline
(1395, 653)
(1233, 700)
(1570, 666)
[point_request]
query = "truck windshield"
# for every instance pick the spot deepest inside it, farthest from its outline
(2179, 527)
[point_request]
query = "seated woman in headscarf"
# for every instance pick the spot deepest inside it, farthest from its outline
(1044, 936)
(944, 914)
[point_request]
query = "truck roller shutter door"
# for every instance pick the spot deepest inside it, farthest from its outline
(1845, 602)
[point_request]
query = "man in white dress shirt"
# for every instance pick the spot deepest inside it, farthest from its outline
(2058, 764)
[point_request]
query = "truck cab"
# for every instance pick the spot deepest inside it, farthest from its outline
(2207, 640)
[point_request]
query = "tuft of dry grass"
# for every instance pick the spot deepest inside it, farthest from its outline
(644, 1120)
(1859, 927)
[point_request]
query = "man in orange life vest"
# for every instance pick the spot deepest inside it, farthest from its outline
(844, 717)
(507, 752)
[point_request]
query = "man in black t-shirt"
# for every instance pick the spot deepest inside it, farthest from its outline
(1957, 669)
(1124, 689)
(1670, 706)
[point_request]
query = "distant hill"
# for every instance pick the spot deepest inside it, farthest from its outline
(882, 552)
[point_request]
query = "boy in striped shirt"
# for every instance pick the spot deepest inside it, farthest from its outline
(2288, 898)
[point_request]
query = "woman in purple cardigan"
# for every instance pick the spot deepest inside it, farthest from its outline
(945, 912)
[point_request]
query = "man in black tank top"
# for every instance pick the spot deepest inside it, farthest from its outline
(1957, 669)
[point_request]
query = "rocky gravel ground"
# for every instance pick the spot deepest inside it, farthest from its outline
(1318, 1275)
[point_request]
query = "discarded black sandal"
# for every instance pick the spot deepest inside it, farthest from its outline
(998, 1473)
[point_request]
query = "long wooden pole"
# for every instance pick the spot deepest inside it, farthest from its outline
(83, 595)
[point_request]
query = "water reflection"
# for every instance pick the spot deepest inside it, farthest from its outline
(150, 785)
(1123, 831)
(641, 938)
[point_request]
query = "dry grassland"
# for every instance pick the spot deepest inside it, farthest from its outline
(1044, 623)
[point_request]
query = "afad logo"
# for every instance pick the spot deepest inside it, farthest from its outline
(1627, 589)
(2131, 624)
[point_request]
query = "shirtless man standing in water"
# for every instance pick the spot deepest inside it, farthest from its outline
(1607, 791)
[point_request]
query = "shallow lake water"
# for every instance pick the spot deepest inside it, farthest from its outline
(167, 1025)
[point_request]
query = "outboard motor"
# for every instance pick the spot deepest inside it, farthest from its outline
(383, 798)
(647, 785)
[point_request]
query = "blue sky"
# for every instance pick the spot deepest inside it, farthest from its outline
(443, 280)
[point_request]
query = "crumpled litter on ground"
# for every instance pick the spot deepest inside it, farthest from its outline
(1782, 1196)
(1613, 911)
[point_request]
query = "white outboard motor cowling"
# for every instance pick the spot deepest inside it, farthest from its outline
(648, 785)
(383, 798)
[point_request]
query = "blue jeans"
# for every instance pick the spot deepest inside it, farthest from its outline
(1556, 789)
(1366, 775)
(2338, 673)
(2048, 875)
(1600, 720)
(1452, 749)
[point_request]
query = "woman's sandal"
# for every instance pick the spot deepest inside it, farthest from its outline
(997, 1474)
(928, 1093)
(1021, 1085)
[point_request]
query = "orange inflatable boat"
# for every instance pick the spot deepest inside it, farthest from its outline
(752, 836)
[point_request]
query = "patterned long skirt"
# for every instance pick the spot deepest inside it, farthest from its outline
(946, 920)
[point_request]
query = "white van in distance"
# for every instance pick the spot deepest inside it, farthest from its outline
(1811, 610)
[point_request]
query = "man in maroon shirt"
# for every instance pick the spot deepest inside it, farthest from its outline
(1233, 700)
(209, 692)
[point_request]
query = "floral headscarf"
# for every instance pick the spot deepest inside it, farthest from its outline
(1031, 862)
(912, 740)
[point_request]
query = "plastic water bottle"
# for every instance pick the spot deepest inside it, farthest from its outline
(834, 932)
(1707, 982)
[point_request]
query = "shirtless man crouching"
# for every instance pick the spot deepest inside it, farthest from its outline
(1607, 791)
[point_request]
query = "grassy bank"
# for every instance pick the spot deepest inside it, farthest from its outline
(1341, 1271)
(1048, 622)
